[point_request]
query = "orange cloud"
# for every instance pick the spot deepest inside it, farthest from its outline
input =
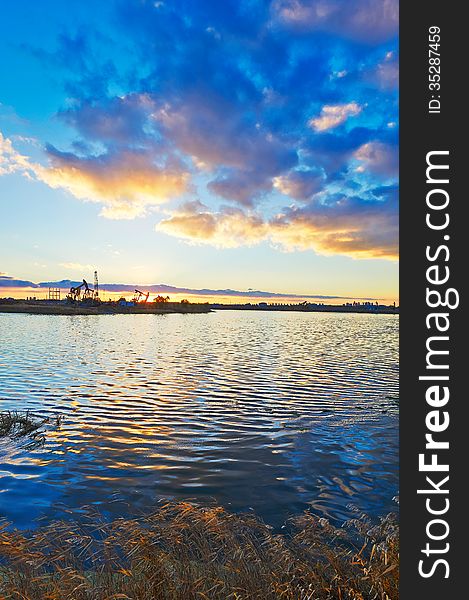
(125, 183)
(228, 229)
(128, 183)
(350, 237)
(350, 227)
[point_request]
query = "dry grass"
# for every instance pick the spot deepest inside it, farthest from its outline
(15, 424)
(185, 552)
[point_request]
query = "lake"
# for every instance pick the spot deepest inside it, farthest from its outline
(264, 411)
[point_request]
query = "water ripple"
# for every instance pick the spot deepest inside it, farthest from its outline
(271, 411)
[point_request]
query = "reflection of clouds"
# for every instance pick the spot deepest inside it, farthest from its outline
(348, 461)
(262, 411)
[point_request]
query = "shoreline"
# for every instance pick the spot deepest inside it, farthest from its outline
(44, 307)
(336, 308)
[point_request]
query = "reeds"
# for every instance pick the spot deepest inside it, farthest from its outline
(15, 424)
(185, 552)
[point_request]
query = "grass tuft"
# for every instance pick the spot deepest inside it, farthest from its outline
(185, 552)
(15, 424)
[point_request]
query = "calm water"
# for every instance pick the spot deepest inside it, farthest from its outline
(274, 412)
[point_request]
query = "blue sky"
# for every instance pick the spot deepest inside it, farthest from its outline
(241, 144)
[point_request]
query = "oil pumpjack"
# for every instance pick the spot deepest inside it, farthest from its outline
(140, 297)
(83, 292)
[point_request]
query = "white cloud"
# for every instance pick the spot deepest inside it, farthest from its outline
(11, 161)
(333, 115)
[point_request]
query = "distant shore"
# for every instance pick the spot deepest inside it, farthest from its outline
(367, 308)
(46, 307)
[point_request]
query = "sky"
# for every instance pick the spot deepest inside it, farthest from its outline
(242, 144)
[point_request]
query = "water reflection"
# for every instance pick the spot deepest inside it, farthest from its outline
(270, 411)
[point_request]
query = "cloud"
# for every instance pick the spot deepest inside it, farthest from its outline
(334, 115)
(11, 161)
(300, 185)
(370, 21)
(244, 187)
(229, 228)
(346, 225)
(122, 119)
(333, 150)
(226, 116)
(125, 182)
(378, 158)
(218, 135)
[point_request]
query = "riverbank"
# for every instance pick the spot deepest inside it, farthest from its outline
(366, 308)
(185, 552)
(45, 307)
(48, 307)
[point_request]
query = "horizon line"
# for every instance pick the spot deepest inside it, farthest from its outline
(11, 282)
